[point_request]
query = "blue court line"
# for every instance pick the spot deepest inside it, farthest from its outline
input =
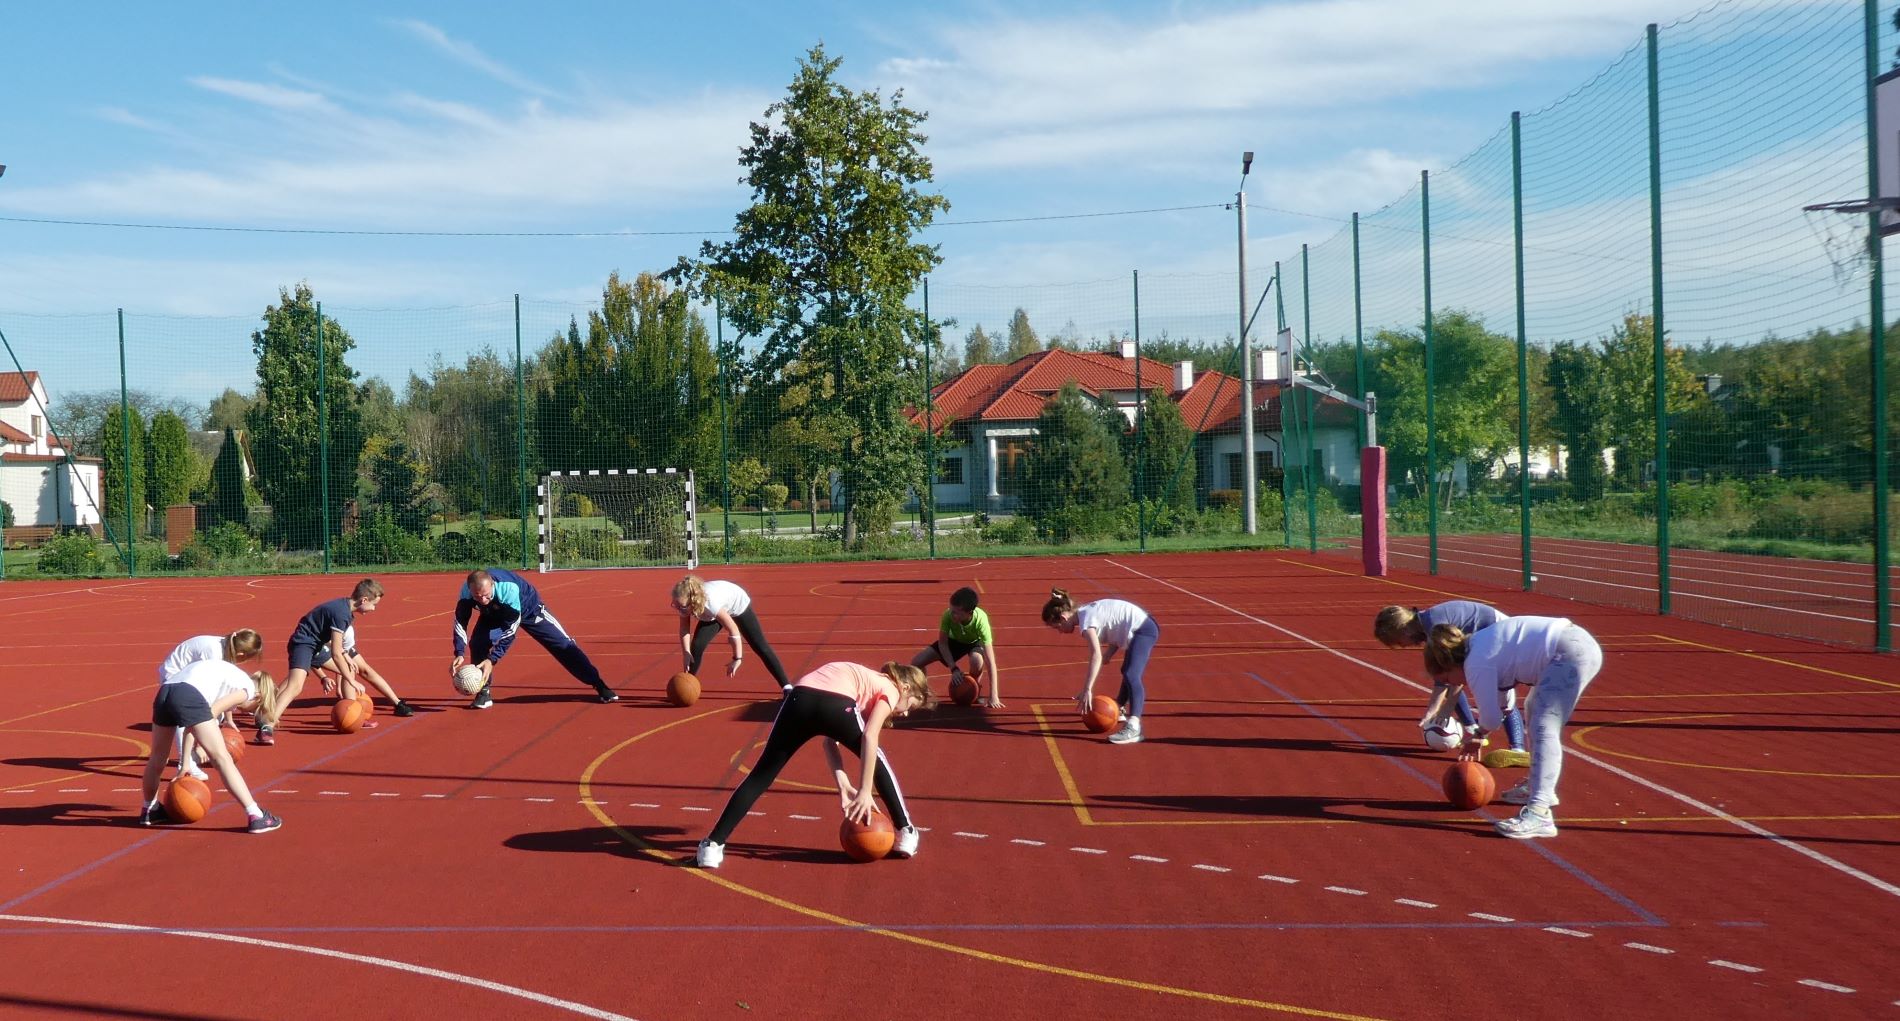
(1104, 927)
(256, 789)
(1644, 914)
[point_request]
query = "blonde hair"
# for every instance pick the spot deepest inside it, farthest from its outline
(1445, 649)
(242, 644)
(691, 593)
(1058, 605)
(912, 681)
(368, 588)
(1393, 624)
(268, 708)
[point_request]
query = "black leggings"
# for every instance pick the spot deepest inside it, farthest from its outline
(749, 630)
(803, 714)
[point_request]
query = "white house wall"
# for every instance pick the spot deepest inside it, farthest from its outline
(43, 493)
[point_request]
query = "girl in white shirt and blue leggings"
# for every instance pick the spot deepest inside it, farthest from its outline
(1109, 624)
(1551, 654)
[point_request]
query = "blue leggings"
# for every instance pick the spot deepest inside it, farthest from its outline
(1135, 660)
(1513, 720)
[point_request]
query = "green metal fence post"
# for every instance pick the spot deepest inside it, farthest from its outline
(725, 456)
(1141, 435)
(1656, 331)
(323, 442)
(1877, 353)
(928, 502)
(1358, 336)
(125, 464)
(1523, 356)
(522, 474)
(1431, 382)
(1307, 475)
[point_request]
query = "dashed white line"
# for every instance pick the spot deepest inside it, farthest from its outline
(1732, 966)
(1148, 857)
(641, 804)
(484, 797)
(590, 801)
(694, 808)
(756, 812)
(806, 818)
(1561, 931)
(1027, 843)
(1088, 850)
(544, 801)
(1409, 902)
(1213, 868)
(123, 790)
(1815, 983)
(1648, 949)
(73, 790)
(343, 793)
(1271, 878)
(1491, 918)
(383, 794)
(972, 836)
(1347, 890)
(436, 796)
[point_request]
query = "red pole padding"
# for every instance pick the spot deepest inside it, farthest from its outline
(1372, 509)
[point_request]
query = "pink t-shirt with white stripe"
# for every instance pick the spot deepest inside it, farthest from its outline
(860, 684)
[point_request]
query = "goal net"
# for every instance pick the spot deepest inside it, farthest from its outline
(617, 517)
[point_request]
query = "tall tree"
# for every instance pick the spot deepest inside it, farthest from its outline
(1161, 456)
(79, 415)
(979, 348)
(1022, 338)
(227, 484)
(124, 466)
(1474, 402)
(170, 461)
(823, 263)
(227, 410)
(1627, 365)
(1580, 416)
(287, 435)
(1073, 476)
(464, 422)
(396, 485)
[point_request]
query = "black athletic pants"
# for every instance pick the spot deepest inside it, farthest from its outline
(805, 713)
(749, 630)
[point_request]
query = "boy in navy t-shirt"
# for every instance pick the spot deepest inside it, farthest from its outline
(325, 637)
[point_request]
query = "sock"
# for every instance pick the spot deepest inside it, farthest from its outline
(255, 813)
(149, 805)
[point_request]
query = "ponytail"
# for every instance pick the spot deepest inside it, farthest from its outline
(691, 593)
(242, 644)
(913, 681)
(1445, 649)
(268, 708)
(1058, 606)
(1392, 624)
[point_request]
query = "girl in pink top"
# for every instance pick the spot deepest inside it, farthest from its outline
(847, 704)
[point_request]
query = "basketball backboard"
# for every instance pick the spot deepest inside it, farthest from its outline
(1887, 144)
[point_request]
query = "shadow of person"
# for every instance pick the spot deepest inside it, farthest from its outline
(606, 840)
(69, 813)
(104, 765)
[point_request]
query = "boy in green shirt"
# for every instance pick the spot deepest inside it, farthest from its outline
(964, 630)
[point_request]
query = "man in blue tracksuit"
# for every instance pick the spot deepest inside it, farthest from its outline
(503, 602)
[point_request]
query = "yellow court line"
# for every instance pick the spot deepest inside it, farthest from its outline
(1737, 694)
(1745, 818)
(144, 750)
(1777, 661)
(1384, 581)
(593, 808)
(1062, 766)
(1581, 734)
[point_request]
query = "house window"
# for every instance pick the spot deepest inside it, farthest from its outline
(36, 427)
(1319, 466)
(1234, 481)
(1011, 456)
(1263, 464)
(950, 471)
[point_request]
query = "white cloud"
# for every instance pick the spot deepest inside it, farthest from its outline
(275, 97)
(468, 53)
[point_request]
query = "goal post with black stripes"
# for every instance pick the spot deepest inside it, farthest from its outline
(617, 517)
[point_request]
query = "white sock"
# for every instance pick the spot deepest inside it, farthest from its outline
(255, 813)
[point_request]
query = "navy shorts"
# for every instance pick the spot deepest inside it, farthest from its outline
(310, 657)
(179, 705)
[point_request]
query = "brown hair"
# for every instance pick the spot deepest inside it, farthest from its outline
(912, 680)
(1059, 603)
(242, 644)
(368, 588)
(1445, 649)
(1392, 623)
(691, 593)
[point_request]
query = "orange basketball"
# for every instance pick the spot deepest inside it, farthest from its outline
(1469, 785)
(369, 704)
(682, 689)
(187, 799)
(1104, 717)
(870, 841)
(233, 743)
(348, 715)
(963, 690)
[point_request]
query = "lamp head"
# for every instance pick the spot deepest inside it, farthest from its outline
(1246, 162)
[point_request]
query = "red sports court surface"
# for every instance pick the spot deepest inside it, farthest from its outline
(1277, 845)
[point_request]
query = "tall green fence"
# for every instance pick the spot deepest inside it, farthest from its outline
(1614, 357)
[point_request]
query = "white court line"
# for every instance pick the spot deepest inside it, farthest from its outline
(1409, 902)
(1561, 931)
(641, 804)
(383, 794)
(1349, 891)
(1648, 949)
(1148, 858)
(701, 808)
(1088, 850)
(335, 793)
(805, 818)
(542, 801)
(1213, 868)
(435, 795)
(1271, 878)
(1714, 812)
(1814, 983)
(972, 836)
(1027, 843)
(381, 962)
(1491, 918)
(1732, 966)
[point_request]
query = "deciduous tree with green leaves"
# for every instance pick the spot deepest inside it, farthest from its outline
(823, 263)
(124, 467)
(1022, 337)
(1073, 477)
(170, 462)
(287, 434)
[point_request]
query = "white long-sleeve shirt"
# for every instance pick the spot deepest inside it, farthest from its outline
(1511, 652)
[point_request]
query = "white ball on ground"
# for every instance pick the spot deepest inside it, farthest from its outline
(1444, 734)
(469, 680)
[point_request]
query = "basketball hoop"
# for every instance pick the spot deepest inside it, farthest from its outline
(1843, 234)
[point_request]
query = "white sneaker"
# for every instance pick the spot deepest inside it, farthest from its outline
(192, 770)
(1130, 733)
(1519, 795)
(906, 844)
(1531, 822)
(711, 855)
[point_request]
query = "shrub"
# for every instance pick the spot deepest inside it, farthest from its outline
(74, 554)
(228, 541)
(773, 496)
(380, 540)
(477, 546)
(574, 544)
(1224, 499)
(6, 514)
(1013, 531)
(796, 505)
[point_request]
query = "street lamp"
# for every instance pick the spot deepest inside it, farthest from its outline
(1248, 486)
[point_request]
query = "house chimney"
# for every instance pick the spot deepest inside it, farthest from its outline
(1183, 376)
(1128, 349)
(1712, 383)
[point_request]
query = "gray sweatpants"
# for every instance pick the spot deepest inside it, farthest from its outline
(1577, 660)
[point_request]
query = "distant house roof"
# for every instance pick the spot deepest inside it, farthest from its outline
(47, 459)
(1017, 391)
(11, 435)
(17, 386)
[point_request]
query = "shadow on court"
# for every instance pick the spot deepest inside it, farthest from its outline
(603, 840)
(70, 813)
(101, 765)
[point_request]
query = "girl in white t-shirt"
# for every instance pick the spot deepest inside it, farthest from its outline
(1109, 624)
(193, 699)
(1553, 655)
(706, 608)
(241, 646)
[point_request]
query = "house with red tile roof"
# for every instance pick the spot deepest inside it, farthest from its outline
(985, 420)
(38, 480)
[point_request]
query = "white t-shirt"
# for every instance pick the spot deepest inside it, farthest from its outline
(724, 596)
(1115, 620)
(189, 651)
(1511, 652)
(215, 679)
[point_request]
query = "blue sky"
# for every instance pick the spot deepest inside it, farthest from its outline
(602, 117)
